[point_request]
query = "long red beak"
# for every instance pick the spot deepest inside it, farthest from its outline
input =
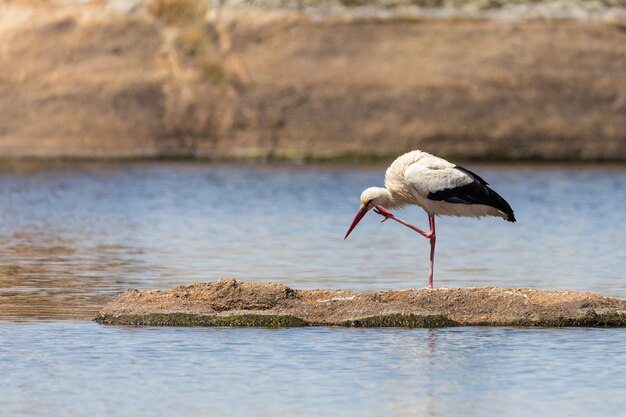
(359, 215)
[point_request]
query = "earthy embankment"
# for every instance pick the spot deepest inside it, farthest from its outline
(230, 302)
(86, 80)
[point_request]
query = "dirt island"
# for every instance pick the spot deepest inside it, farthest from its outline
(230, 302)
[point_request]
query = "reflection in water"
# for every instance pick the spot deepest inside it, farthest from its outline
(49, 277)
(72, 236)
(431, 398)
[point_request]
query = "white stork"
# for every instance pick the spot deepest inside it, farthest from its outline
(437, 186)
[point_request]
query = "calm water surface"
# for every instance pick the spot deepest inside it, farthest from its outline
(73, 236)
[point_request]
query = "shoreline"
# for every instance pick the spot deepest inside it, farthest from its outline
(87, 81)
(304, 160)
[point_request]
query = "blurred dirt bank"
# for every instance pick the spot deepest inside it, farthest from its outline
(92, 80)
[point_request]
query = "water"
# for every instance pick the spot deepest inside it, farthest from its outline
(81, 368)
(75, 235)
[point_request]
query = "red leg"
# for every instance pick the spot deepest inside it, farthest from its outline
(388, 215)
(430, 235)
(433, 239)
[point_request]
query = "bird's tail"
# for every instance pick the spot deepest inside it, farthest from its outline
(503, 206)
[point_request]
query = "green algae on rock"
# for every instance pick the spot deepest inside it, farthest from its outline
(189, 320)
(402, 320)
(612, 319)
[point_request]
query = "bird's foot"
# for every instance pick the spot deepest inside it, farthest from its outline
(383, 212)
(388, 215)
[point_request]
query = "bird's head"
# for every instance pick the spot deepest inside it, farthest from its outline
(370, 197)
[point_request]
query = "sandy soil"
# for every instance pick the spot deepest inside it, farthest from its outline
(82, 80)
(232, 302)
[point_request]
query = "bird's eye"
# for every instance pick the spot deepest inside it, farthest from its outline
(368, 203)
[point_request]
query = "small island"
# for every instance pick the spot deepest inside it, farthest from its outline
(230, 302)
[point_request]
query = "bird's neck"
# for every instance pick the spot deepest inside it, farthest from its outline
(389, 201)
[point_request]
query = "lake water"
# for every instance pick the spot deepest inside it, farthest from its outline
(73, 236)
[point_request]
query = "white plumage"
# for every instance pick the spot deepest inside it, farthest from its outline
(412, 177)
(436, 185)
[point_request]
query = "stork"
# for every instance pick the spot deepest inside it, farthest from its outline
(436, 185)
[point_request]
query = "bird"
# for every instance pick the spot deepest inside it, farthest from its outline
(439, 187)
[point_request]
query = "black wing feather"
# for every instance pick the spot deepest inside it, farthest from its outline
(471, 174)
(476, 192)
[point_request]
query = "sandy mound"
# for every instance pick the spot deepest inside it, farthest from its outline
(234, 303)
